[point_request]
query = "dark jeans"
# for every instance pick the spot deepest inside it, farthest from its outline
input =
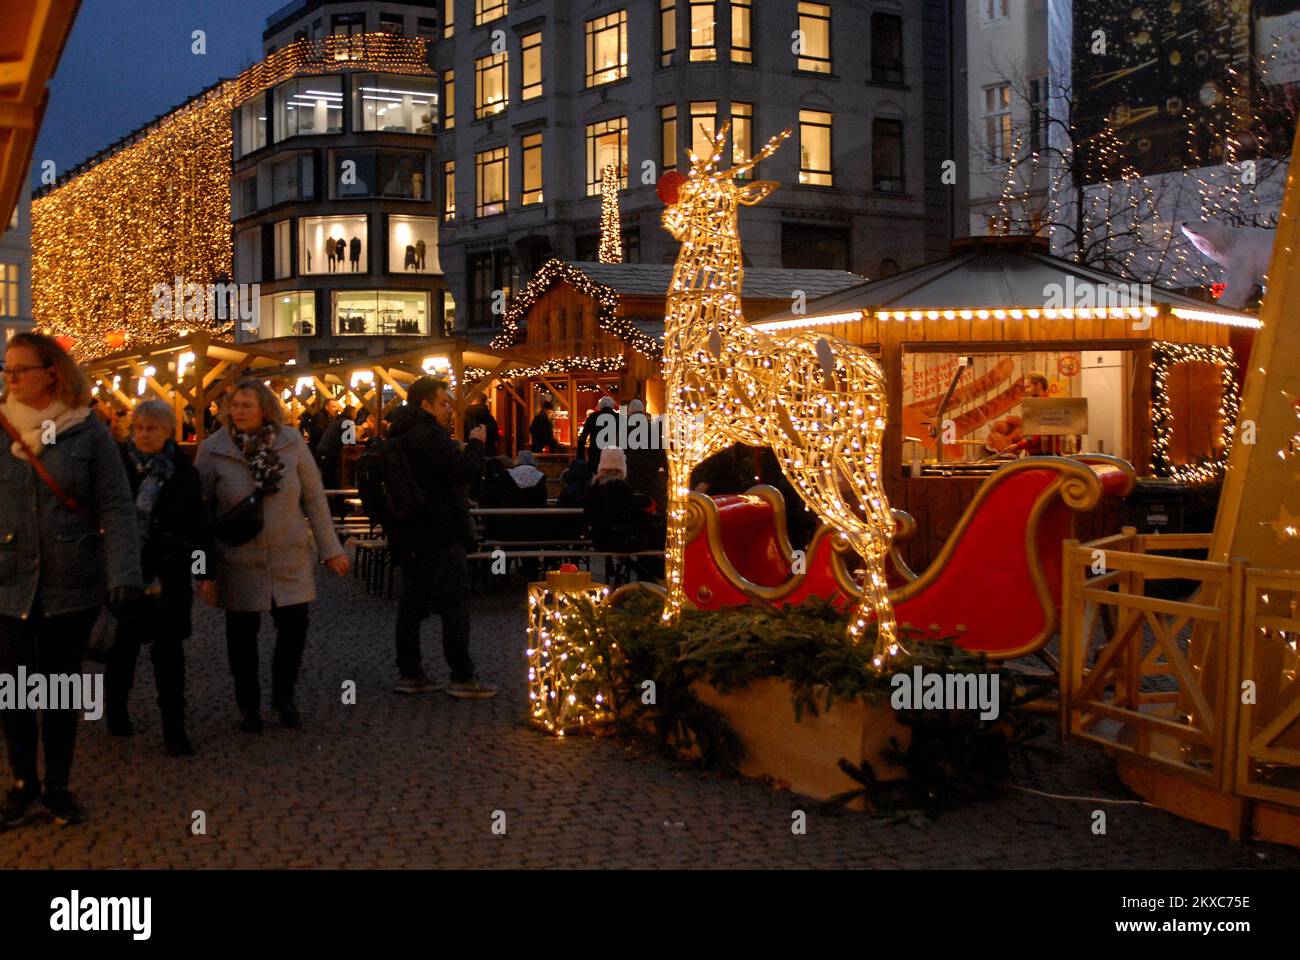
(241, 646)
(168, 654)
(46, 645)
(435, 581)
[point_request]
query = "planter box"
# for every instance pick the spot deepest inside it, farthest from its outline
(804, 755)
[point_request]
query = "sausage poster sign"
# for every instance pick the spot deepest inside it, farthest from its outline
(985, 406)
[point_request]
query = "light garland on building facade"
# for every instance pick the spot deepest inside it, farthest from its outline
(158, 208)
(1164, 357)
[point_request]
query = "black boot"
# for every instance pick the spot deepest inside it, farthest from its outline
(174, 739)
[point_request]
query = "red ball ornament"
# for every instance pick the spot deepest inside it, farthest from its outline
(568, 568)
(669, 185)
(66, 342)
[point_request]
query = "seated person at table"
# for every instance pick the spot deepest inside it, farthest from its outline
(541, 431)
(530, 483)
(615, 513)
(574, 484)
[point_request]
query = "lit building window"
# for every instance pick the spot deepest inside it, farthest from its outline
(488, 10)
(291, 313)
(381, 312)
(815, 148)
(9, 273)
(742, 134)
(394, 104)
(532, 66)
(815, 30)
(448, 99)
(997, 122)
(491, 85)
(702, 30)
(449, 190)
(668, 136)
(886, 48)
(253, 126)
(742, 37)
(448, 19)
(492, 170)
(532, 167)
(667, 31)
(413, 244)
(607, 48)
(704, 126)
(309, 105)
(606, 144)
(887, 156)
(332, 245)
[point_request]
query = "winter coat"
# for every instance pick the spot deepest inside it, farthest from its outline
(615, 513)
(542, 434)
(178, 526)
(444, 470)
(279, 564)
(73, 562)
(478, 414)
(599, 426)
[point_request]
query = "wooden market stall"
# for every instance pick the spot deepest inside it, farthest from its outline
(1142, 373)
(596, 330)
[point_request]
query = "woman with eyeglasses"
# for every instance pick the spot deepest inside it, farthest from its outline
(259, 480)
(68, 543)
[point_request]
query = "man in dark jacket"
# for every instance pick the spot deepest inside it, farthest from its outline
(430, 548)
(542, 432)
(314, 422)
(600, 431)
(479, 413)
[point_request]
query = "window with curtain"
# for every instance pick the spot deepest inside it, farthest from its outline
(815, 148)
(531, 65)
(492, 173)
(531, 159)
(703, 30)
(815, 28)
(742, 38)
(607, 48)
(491, 85)
(668, 137)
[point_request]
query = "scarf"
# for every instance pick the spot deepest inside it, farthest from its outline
(30, 423)
(263, 463)
(156, 469)
(526, 476)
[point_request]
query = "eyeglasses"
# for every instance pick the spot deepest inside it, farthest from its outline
(14, 373)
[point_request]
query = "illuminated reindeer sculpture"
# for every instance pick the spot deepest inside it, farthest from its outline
(817, 401)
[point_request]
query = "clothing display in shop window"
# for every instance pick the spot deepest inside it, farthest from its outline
(412, 258)
(332, 252)
(354, 253)
(419, 253)
(340, 251)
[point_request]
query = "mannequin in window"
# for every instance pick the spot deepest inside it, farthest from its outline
(412, 258)
(331, 252)
(340, 250)
(354, 253)
(419, 253)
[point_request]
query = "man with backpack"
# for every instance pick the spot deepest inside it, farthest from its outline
(431, 540)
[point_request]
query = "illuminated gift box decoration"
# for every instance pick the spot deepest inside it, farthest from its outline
(568, 660)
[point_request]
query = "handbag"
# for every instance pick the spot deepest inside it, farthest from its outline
(64, 497)
(242, 522)
(103, 637)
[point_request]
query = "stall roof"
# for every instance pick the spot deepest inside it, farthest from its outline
(997, 273)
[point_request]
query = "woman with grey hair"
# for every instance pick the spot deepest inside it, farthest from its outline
(175, 545)
(259, 479)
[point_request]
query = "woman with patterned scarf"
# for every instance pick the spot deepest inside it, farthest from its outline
(275, 570)
(175, 544)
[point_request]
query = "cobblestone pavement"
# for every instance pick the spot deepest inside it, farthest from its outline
(398, 781)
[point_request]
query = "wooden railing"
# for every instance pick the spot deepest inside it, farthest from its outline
(1205, 687)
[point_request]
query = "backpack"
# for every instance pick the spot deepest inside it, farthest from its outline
(387, 485)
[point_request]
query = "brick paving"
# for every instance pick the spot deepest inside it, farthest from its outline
(414, 782)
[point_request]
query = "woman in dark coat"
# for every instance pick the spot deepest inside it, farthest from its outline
(175, 544)
(63, 553)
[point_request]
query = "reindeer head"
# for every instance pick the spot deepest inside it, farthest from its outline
(708, 195)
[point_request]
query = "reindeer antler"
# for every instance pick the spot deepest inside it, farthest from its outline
(770, 148)
(709, 164)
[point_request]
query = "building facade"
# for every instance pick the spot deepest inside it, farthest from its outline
(16, 268)
(1009, 91)
(537, 97)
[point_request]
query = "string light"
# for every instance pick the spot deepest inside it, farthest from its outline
(611, 224)
(817, 401)
(568, 669)
(607, 317)
(1164, 357)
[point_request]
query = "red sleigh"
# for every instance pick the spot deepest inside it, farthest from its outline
(1007, 545)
